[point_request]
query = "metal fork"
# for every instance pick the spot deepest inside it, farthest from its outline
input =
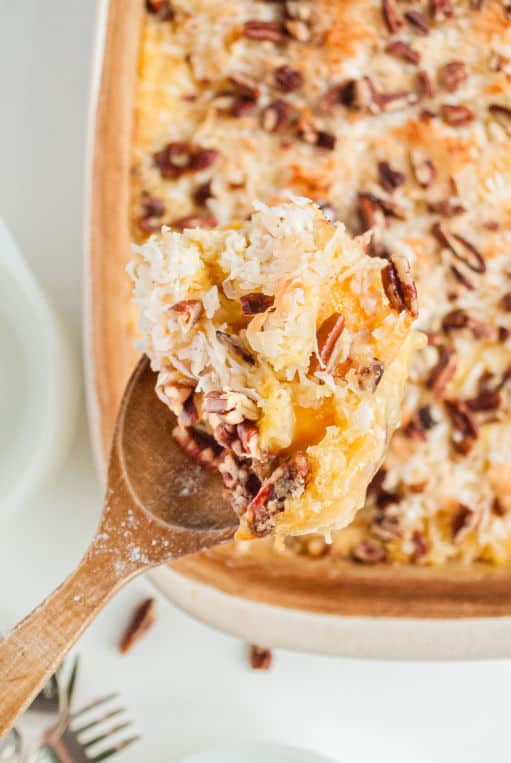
(69, 746)
(49, 709)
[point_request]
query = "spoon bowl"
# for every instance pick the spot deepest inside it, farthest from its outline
(158, 506)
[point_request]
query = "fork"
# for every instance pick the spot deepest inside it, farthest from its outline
(49, 709)
(68, 746)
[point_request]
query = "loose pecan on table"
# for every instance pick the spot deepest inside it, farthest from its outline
(260, 658)
(143, 618)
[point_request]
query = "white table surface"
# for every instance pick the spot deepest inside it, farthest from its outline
(185, 685)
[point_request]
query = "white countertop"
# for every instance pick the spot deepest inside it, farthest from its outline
(185, 685)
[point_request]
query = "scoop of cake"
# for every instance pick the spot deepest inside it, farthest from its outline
(283, 349)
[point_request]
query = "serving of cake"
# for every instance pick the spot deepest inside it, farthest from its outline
(283, 348)
(395, 117)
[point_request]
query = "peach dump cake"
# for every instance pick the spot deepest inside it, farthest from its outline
(283, 349)
(395, 118)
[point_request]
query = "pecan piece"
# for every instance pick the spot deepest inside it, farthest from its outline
(402, 50)
(389, 178)
(369, 212)
(271, 31)
(202, 194)
(194, 221)
(418, 21)
(260, 658)
(501, 113)
(462, 522)
(233, 407)
(462, 249)
(399, 285)
(486, 400)
(462, 418)
(244, 86)
(189, 312)
(446, 208)
(385, 524)
(256, 302)
(505, 302)
(442, 373)
(236, 346)
(370, 376)
(498, 507)
(420, 545)
(390, 16)
(461, 278)
(180, 158)
(424, 85)
(368, 552)
(277, 116)
(441, 10)
(328, 335)
(288, 480)
(452, 75)
(143, 618)
(162, 9)
(456, 115)
(188, 416)
(423, 168)
(325, 140)
(153, 210)
(287, 78)
(456, 319)
(199, 446)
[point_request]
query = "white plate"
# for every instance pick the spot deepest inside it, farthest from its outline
(256, 753)
(38, 382)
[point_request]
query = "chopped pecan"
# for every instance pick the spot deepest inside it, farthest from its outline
(385, 523)
(402, 50)
(202, 194)
(236, 346)
(441, 10)
(498, 507)
(389, 178)
(248, 435)
(442, 373)
(462, 249)
(503, 334)
(242, 105)
(325, 140)
(386, 498)
(420, 545)
(271, 31)
(233, 407)
(189, 312)
(505, 302)
(180, 158)
(328, 335)
(486, 400)
(390, 16)
(462, 522)
(424, 85)
(377, 481)
(199, 446)
(423, 168)
(368, 552)
(189, 415)
(277, 116)
(502, 114)
(357, 94)
(288, 480)
(370, 376)
(143, 618)
(418, 21)
(260, 658)
(452, 75)
(369, 211)
(420, 423)
(446, 208)
(153, 210)
(462, 418)
(256, 302)
(239, 480)
(456, 115)
(399, 286)
(461, 278)
(194, 221)
(163, 9)
(243, 85)
(287, 78)
(301, 21)
(426, 418)
(393, 101)
(456, 319)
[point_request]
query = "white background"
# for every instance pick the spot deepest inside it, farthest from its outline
(185, 685)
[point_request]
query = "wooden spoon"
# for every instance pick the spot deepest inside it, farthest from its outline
(158, 506)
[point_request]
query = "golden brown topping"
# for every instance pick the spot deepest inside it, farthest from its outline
(462, 249)
(260, 658)
(399, 285)
(418, 21)
(143, 618)
(389, 178)
(327, 338)
(402, 50)
(442, 373)
(390, 16)
(256, 302)
(271, 31)
(287, 78)
(189, 311)
(452, 75)
(368, 552)
(456, 115)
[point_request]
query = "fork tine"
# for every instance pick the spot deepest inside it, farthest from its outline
(108, 733)
(96, 721)
(95, 703)
(115, 749)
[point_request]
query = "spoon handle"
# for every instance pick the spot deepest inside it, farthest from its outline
(38, 644)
